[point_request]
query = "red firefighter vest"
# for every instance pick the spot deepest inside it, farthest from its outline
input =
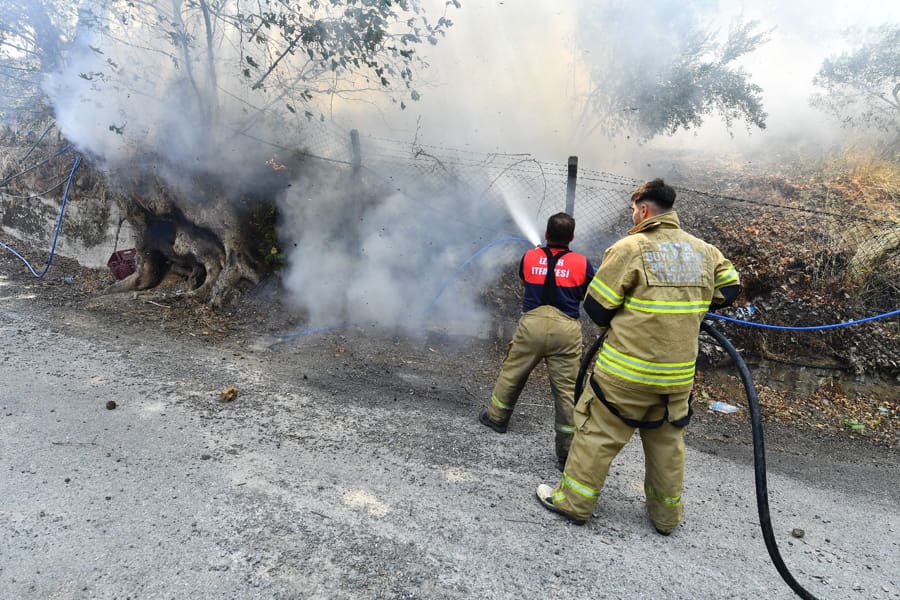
(571, 274)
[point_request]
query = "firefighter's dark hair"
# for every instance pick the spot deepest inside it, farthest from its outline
(655, 191)
(560, 228)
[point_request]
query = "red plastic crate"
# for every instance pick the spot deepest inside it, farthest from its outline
(123, 263)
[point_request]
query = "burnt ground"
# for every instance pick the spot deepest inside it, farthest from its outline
(396, 415)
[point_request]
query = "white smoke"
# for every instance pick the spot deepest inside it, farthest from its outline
(118, 102)
(395, 259)
(387, 250)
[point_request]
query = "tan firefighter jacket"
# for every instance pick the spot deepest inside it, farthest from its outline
(661, 281)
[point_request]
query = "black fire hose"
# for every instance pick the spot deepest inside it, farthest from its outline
(759, 453)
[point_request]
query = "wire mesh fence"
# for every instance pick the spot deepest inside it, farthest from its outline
(812, 238)
(810, 254)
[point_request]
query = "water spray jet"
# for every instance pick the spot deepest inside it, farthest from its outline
(523, 222)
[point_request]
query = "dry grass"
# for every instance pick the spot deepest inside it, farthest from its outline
(869, 185)
(813, 248)
(870, 181)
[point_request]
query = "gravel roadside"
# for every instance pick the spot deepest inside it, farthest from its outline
(350, 465)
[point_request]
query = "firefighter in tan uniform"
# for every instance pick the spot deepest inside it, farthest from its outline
(556, 280)
(652, 290)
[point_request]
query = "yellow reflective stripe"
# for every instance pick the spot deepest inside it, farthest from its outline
(570, 429)
(606, 291)
(643, 371)
(557, 496)
(727, 278)
(639, 378)
(666, 306)
(580, 488)
(645, 365)
(496, 402)
(661, 498)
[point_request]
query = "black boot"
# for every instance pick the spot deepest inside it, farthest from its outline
(486, 420)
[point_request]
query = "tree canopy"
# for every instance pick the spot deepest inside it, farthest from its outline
(861, 87)
(287, 52)
(656, 74)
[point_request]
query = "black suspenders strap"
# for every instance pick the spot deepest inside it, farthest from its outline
(682, 422)
(630, 422)
(548, 292)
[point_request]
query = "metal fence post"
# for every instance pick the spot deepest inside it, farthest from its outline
(357, 155)
(570, 185)
(357, 211)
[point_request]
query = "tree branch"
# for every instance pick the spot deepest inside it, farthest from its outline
(287, 51)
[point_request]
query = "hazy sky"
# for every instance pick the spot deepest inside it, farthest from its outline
(510, 75)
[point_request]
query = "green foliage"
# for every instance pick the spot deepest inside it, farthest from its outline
(862, 87)
(653, 78)
(371, 39)
(295, 50)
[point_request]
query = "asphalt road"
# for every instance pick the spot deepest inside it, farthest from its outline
(353, 467)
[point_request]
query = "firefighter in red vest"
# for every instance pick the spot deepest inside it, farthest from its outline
(556, 281)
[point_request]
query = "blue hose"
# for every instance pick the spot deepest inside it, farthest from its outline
(293, 334)
(62, 211)
(807, 327)
(459, 269)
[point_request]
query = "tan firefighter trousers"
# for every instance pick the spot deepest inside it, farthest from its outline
(544, 333)
(599, 437)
